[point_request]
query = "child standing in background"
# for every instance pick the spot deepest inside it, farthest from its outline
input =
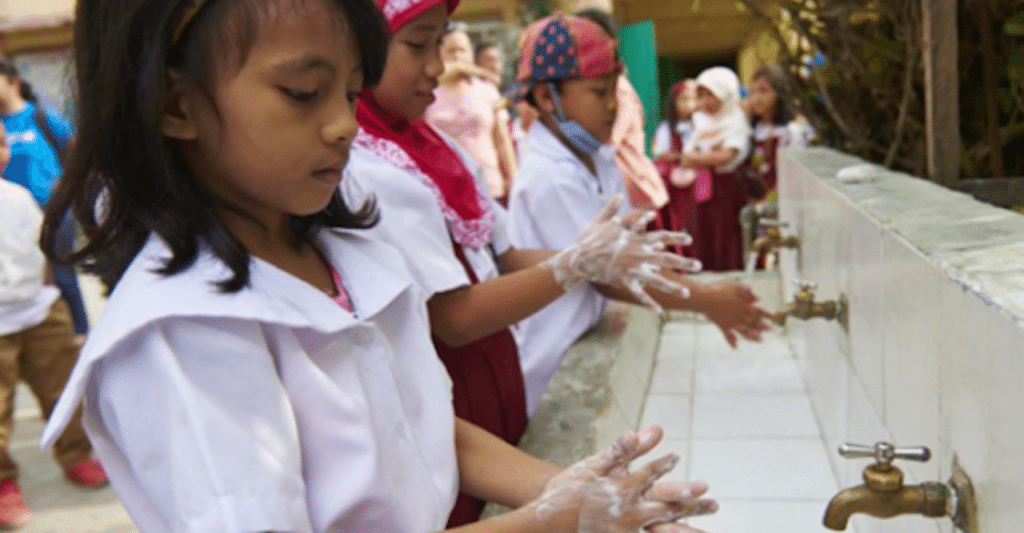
(680, 213)
(775, 126)
(470, 110)
(716, 150)
(39, 142)
(37, 345)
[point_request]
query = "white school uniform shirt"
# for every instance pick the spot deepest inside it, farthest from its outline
(24, 300)
(553, 198)
(411, 219)
(270, 409)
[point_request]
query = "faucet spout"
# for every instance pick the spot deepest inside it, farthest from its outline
(927, 499)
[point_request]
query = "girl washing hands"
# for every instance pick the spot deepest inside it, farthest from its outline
(435, 208)
(259, 366)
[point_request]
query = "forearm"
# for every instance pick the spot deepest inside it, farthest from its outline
(493, 470)
(713, 158)
(525, 520)
(698, 301)
(506, 152)
(467, 314)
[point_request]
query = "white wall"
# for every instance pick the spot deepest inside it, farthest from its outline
(16, 9)
(935, 351)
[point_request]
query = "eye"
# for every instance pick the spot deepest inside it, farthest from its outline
(416, 47)
(302, 97)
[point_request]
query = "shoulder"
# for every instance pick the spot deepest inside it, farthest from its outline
(14, 196)
(540, 175)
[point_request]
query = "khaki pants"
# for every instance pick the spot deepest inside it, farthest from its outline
(43, 357)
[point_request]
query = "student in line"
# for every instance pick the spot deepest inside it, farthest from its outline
(715, 152)
(260, 367)
(568, 174)
(435, 208)
(37, 345)
(39, 141)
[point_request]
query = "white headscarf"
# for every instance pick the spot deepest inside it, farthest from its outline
(730, 123)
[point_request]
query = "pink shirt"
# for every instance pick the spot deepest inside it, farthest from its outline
(643, 183)
(469, 118)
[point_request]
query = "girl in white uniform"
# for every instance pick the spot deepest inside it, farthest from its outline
(436, 209)
(259, 367)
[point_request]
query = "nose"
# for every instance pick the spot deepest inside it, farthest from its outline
(342, 127)
(434, 66)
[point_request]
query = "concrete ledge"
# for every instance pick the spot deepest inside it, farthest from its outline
(598, 392)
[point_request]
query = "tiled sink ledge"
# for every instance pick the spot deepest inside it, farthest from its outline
(598, 392)
(977, 245)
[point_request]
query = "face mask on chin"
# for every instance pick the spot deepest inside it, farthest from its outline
(577, 135)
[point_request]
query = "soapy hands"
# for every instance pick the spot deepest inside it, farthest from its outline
(619, 251)
(610, 499)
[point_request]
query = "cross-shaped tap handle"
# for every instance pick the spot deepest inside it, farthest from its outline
(805, 285)
(773, 223)
(884, 452)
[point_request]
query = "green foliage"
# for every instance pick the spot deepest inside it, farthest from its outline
(1014, 27)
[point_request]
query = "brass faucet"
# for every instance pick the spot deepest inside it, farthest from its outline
(883, 494)
(805, 308)
(772, 238)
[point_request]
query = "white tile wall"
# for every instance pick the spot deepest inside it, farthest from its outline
(928, 362)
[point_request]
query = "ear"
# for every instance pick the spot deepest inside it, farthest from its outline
(178, 120)
(542, 96)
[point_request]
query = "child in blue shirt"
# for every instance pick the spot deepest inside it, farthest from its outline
(38, 141)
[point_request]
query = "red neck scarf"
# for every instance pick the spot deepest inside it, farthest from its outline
(466, 209)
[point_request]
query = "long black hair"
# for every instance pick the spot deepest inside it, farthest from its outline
(775, 77)
(668, 105)
(8, 71)
(126, 180)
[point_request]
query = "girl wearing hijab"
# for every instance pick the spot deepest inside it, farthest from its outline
(714, 152)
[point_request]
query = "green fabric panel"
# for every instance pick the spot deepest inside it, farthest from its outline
(639, 52)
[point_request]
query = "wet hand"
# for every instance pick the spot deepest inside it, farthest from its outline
(733, 308)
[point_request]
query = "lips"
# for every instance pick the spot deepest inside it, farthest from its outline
(329, 176)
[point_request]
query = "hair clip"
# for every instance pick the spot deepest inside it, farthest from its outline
(188, 13)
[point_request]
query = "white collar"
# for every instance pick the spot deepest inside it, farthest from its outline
(373, 274)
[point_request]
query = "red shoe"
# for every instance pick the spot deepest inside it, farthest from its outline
(13, 509)
(87, 473)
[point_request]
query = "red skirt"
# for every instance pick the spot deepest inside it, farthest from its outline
(721, 240)
(714, 223)
(488, 391)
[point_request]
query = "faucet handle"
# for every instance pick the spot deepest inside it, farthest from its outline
(884, 452)
(772, 223)
(804, 285)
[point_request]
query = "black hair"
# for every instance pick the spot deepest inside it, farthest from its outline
(528, 97)
(483, 46)
(669, 110)
(775, 77)
(11, 73)
(126, 180)
(602, 18)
